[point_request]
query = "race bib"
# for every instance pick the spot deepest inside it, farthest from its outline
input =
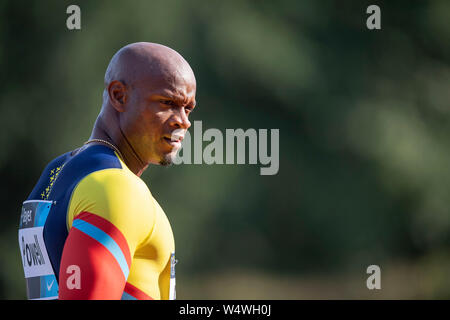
(39, 275)
(172, 291)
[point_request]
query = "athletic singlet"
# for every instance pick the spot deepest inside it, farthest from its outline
(91, 229)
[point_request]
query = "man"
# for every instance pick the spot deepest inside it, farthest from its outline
(90, 229)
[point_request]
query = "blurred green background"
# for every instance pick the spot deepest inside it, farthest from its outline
(364, 119)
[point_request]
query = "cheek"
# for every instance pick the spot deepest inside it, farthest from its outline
(152, 122)
(144, 123)
(149, 126)
(130, 124)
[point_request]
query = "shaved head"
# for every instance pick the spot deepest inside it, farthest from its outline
(149, 93)
(145, 61)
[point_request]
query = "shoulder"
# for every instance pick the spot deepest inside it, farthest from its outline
(44, 179)
(120, 185)
(120, 197)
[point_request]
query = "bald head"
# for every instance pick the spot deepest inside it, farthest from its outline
(148, 62)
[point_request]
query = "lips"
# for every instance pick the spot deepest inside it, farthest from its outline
(174, 142)
(176, 135)
(175, 138)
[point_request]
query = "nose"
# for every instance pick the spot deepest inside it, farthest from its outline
(180, 120)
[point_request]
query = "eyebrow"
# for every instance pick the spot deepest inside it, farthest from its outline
(173, 97)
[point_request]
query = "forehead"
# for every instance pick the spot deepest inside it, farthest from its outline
(176, 84)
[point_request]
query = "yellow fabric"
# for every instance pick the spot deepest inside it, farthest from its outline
(122, 198)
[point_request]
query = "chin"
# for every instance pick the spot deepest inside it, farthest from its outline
(167, 159)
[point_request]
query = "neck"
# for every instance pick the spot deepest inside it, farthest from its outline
(118, 138)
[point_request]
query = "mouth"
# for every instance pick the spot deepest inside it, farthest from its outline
(174, 142)
(175, 138)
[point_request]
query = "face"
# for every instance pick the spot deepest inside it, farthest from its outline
(156, 109)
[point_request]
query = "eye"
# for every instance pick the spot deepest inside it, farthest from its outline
(189, 110)
(167, 102)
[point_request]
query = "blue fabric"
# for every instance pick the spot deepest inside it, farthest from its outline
(93, 158)
(106, 240)
(126, 296)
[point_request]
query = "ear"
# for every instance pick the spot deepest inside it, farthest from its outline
(117, 93)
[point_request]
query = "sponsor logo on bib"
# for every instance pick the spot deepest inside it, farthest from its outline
(38, 271)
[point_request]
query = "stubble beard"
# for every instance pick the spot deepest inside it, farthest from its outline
(167, 159)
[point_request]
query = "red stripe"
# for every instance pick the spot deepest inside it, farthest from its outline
(135, 292)
(100, 275)
(108, 228)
